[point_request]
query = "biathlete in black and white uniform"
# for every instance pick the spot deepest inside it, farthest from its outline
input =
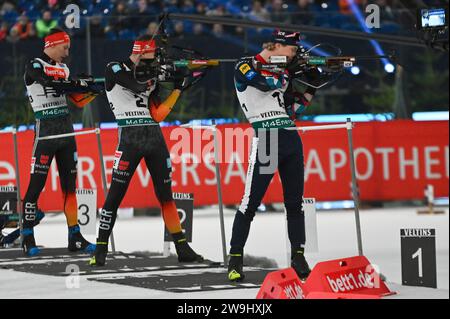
(48, 83)
(133, 93)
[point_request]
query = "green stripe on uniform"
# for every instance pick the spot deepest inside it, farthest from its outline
(51, 113)
(136, 121)
(282, 122)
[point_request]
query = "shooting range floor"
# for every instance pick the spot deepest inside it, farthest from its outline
(130, 274)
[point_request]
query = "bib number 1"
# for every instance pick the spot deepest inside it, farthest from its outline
(277, 96)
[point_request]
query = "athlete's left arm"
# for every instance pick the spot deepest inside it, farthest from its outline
(296, 102)
(35, 72)
(160, 110)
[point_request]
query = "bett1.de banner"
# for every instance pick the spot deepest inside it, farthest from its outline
(395, 160)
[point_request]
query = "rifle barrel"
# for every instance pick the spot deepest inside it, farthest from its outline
(226, 60)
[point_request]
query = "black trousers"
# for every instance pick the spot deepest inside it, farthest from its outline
(271, 150)
(136, 143)
(64, 150)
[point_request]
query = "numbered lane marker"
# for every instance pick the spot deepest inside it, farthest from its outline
(87, 208)
(418, 250)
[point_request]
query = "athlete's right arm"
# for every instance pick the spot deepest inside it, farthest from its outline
(35, 73)
(116, 73)
(246, 75)
(160, 110)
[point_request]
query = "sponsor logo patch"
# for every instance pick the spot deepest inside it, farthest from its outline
(56, 73)
(250, 75)
(244, 68)
(33, 161)
(116, 68)
(117, 157)
(123, 165)
(44, 159)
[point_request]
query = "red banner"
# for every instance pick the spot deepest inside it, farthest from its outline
(395, 161)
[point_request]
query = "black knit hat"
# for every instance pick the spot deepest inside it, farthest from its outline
(285, 37)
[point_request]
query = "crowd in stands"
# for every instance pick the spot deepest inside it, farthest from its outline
(126, 19)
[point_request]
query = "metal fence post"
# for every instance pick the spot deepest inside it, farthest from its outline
(355, 190)
(219, 194)
(104, 182)
(19, 198)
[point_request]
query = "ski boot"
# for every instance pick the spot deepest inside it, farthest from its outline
(99, 258)
(29, 244)
(235, 267)
(77, 241)
(8, 240)
(184, 251)
(299, 263)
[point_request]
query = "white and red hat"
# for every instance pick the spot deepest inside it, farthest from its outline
(286, 37)
(56, 39)
(143, 47)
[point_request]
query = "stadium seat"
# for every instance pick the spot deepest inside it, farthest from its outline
(389, 28)
(126, 34)
(338, 20)
(188, 26)
(111, 35)
(33, 15)
(10, 17)
(351, 27)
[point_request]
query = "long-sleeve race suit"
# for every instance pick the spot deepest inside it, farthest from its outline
(271, 106)
(47, 84)
(138, 111)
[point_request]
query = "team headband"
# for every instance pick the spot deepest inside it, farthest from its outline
(55, 39)
(142, 47)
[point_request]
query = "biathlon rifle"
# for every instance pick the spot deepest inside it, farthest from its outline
(330, 67)
(173, 62)
(95, 87)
